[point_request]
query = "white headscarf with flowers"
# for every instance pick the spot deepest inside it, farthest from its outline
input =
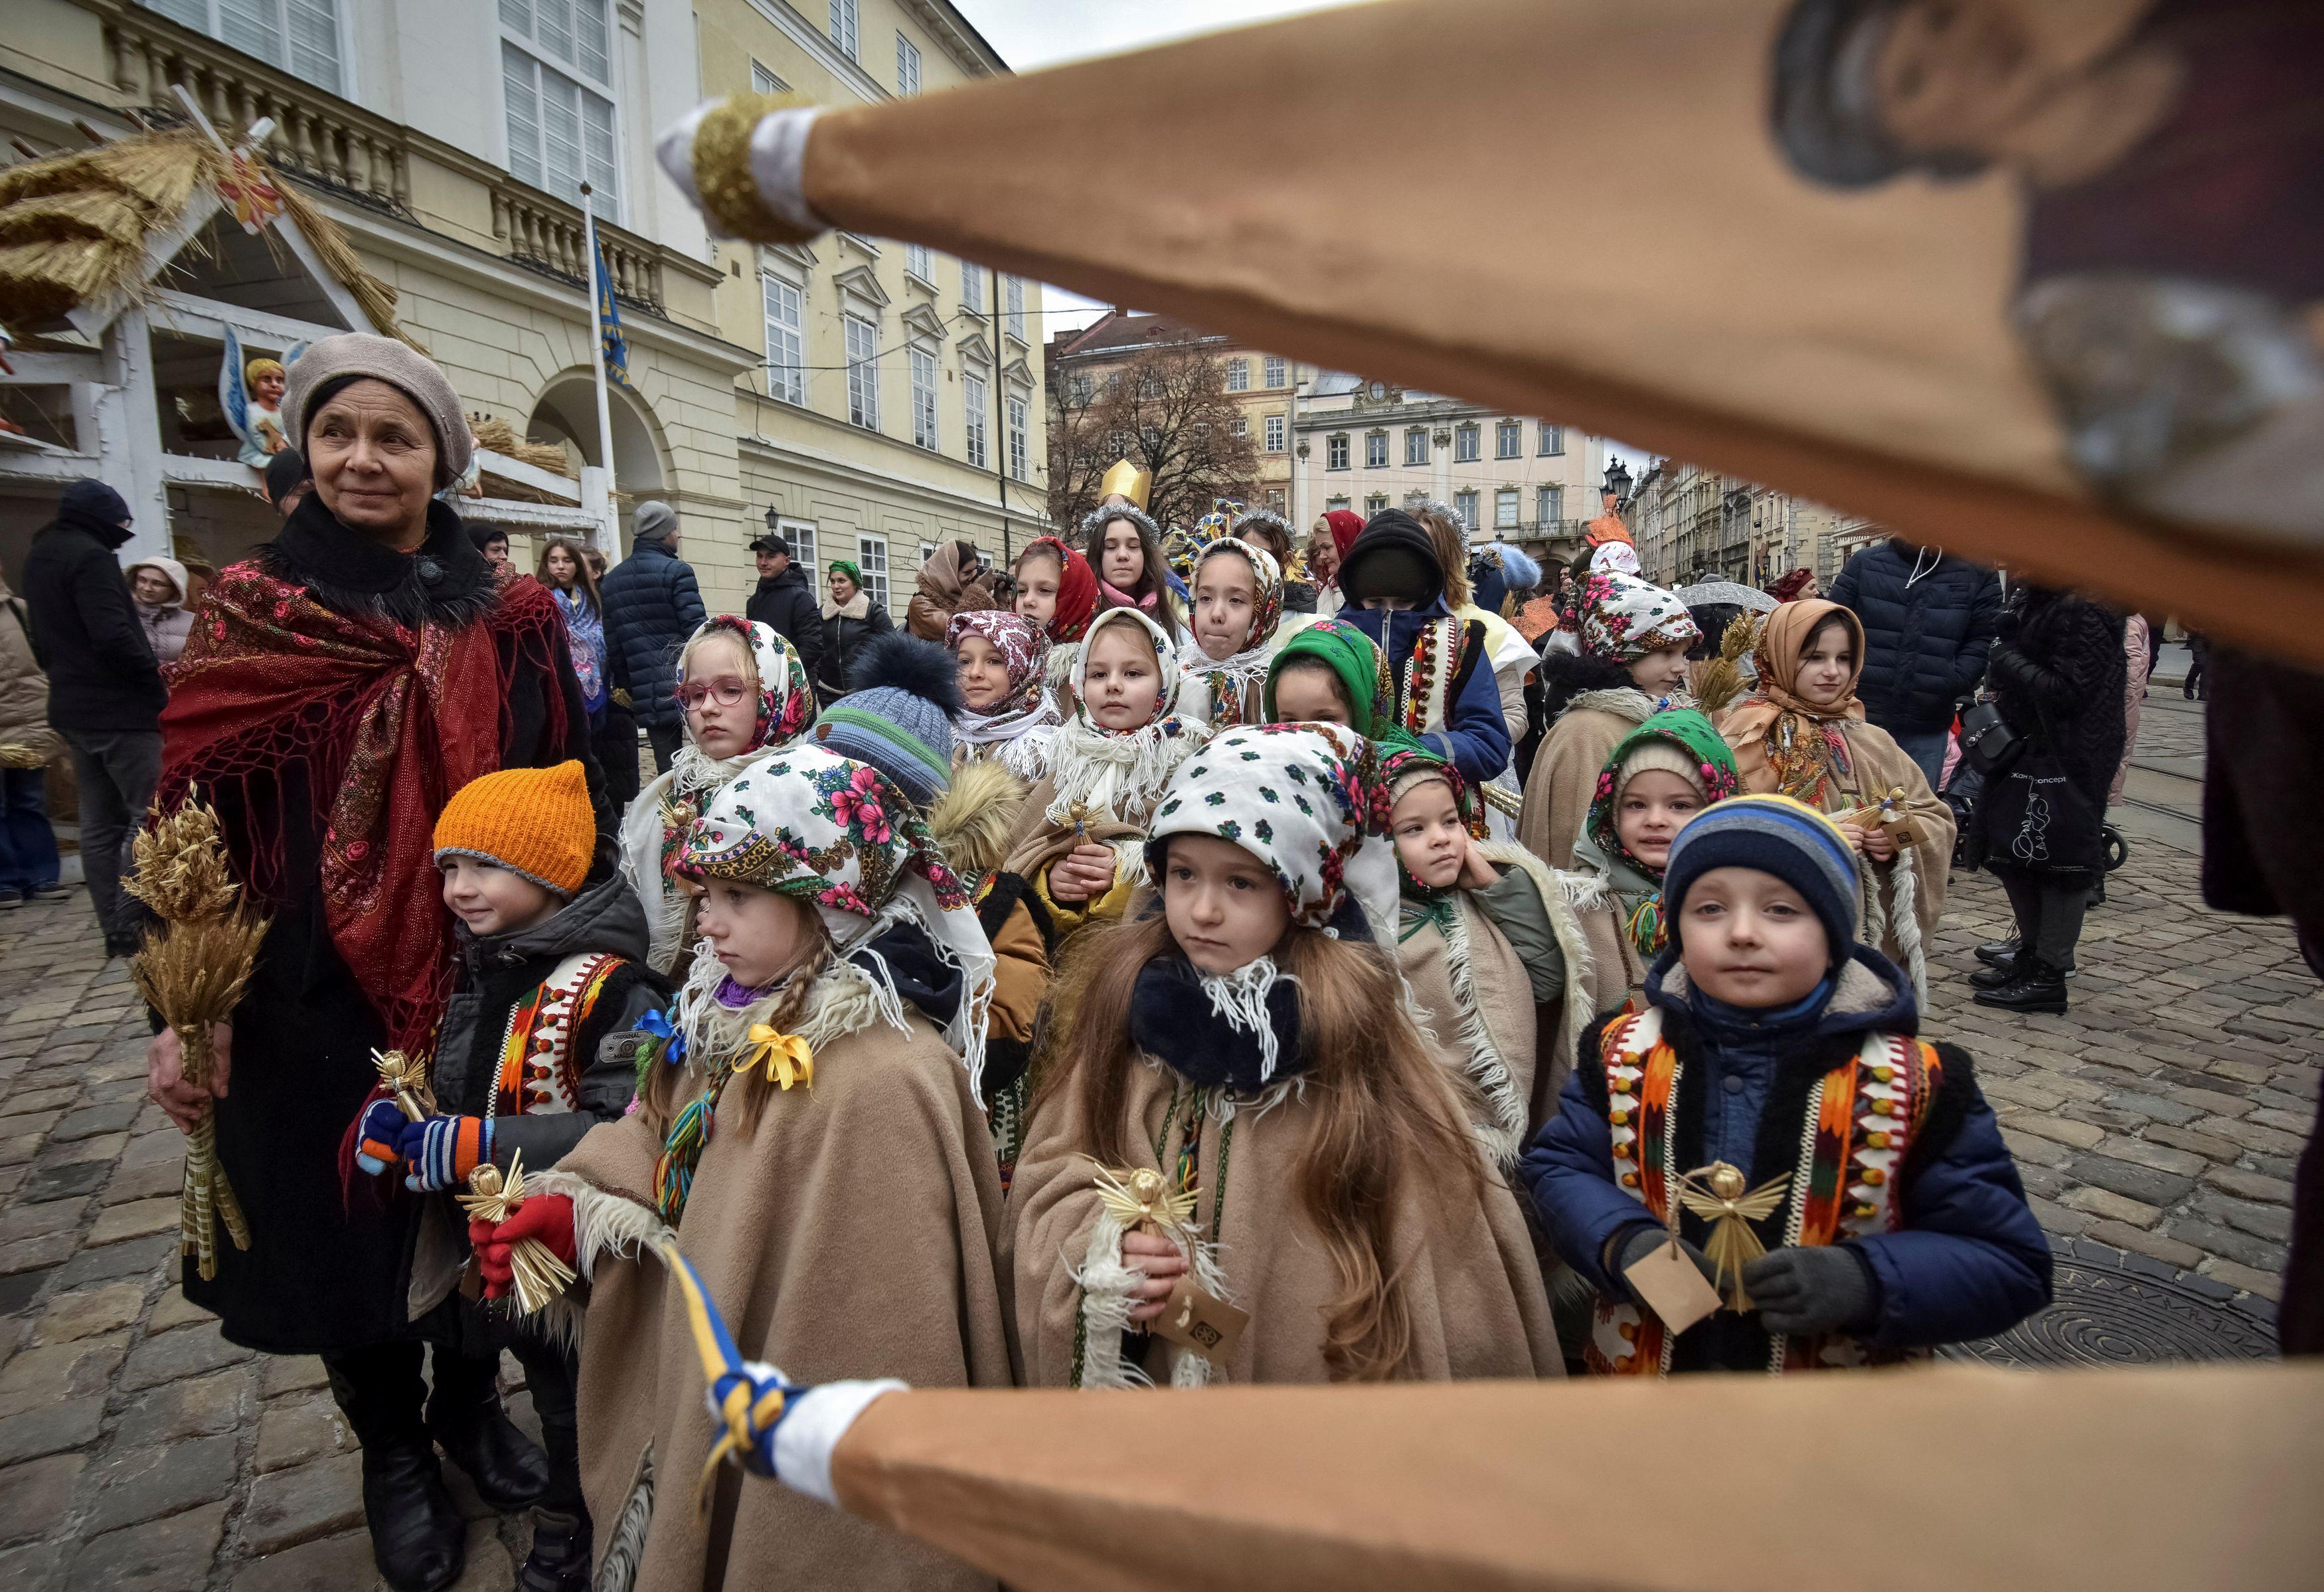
(1624, 617)
(656, 824)
(1118, 775)
(1220, 686)
(834, 832)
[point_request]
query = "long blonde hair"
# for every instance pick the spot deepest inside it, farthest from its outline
(665, 1090)
(1384, 1126)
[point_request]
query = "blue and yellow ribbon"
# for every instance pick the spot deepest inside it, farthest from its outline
(749, 1397)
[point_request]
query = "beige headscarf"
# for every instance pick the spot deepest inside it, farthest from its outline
(1784, 743)
(940, 580)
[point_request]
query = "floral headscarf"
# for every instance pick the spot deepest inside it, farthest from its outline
(1019, 728)
(1361, 667)
(1617, 557)
(1784, 744)
(1076, 589)
(1624, 617)
(1407, 760)
(1223, 682)
(834, 832)
(1689, 733)
(1304, 799)
(786, 697)
(1120, 772)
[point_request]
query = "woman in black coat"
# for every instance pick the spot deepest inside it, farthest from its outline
(851, 619)
(2058, 675)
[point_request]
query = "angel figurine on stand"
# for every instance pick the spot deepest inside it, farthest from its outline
(250, 393)
(1716, 1194)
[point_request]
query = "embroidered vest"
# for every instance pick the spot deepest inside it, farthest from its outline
(539, 1074)
(1859, 1122)
(1423, 692)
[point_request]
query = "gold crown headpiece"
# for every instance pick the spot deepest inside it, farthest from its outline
(1127, 480)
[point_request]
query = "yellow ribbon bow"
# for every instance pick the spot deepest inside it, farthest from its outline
(787, 1057)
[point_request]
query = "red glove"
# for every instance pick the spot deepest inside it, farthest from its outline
(546, 1217)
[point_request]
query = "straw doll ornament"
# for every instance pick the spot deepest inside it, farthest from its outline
(1238, 591)
(744, 692)
(1245, 1050)
(1801, 733)
(809, 1133)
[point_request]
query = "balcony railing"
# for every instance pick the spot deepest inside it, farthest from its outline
(361, 158)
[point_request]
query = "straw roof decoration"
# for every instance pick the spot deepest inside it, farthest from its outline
(501, 438)
(74, 228)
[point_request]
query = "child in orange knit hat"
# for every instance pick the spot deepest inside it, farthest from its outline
(552, 964)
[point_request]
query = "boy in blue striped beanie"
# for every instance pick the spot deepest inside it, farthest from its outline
(1777, 1055)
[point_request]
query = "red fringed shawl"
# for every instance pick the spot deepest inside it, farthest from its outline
(386, 723)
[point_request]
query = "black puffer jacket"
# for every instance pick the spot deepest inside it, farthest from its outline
(787, 604)
(85, 632)
(651, 606)
(844, 641)
(2059, 679)
(1925, 640)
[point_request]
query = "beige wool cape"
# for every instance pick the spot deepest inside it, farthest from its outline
(1564, 777)
(848, 1233)
(1479, 1307)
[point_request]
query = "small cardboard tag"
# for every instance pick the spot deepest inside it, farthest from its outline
(1200, 1321)
(1671, 1286)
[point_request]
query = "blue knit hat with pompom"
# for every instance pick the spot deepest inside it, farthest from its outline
(898, 716)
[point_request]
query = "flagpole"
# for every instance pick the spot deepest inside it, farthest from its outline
(611, 533)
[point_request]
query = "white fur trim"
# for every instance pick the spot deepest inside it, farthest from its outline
(1557, 889)
(1105, 1284)
(811, 1429)
(617, 1572)
(779, 166)
(1505, 1138)
(674, 152)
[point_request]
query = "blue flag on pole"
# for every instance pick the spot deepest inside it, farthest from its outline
(609, 323)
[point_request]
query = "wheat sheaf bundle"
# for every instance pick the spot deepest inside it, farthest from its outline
(1721, 680)
(192, 970)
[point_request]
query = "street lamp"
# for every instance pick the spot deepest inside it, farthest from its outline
(774, 523)
(1618, 479)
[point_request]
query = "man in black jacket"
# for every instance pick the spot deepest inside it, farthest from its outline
(104, 688)
(652, 604)
(1928, 621)
(785, 602)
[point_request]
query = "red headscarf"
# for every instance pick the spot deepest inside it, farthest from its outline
(1346, 526)
(1788, 588)
(1076, 591)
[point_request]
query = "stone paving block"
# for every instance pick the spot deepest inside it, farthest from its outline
(33, 1121)
(2205, 1103)
(2028, 1151)
(2296, 1124)
(34, 1254)
(136, 1258)
(10, 1176)
(2155, 1109)
(19, 1147)
(327, 1564)
(199, 1406)
(2056, 1218)
(292, 1431)
(173, 1308)
(2065, 1129)
(2270, 1222)
(160, 1556)
(87, 1312)
(68, 1181)
(2226, 1243)
(149, 1483)
(2253, 1135)
(18, 1290)
(2247, 1185)
(2047, 1182)
(189, 1351)
(134, 1220)
(2266, 1284)
(288, 1507)
(2209, 1146)
(35, 1221)
(22, 1102)
(2136, 1183)
(50, 1429)
(30, 1566)
(2161, 1158)
(2107, 1206)
(100, 1147)
(2170, 1251)
(141, 1182)
(42, 1375)
(288, 1373)
(155, 1149)
(91, 1121)
(33, 1495)
(489, 1566)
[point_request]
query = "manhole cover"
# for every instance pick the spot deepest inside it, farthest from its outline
(2103, 1314)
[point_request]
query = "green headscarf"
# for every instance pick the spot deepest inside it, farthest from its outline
(1362, 672)
(847, 568)
(1712, 767)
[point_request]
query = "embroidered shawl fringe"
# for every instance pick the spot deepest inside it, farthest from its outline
(618, 1570)
(1121, 777)
(1105, 1284)
(1903, 910)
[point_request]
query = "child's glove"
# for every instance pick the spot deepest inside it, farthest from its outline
(1634, 1242)
(1809, 1291)
(443, 1151)
(377, 1134)
(546, 1217)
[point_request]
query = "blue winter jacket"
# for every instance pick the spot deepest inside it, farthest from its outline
(652, 607)
(1926, 639)
(1969, 1260)
(1475, 737)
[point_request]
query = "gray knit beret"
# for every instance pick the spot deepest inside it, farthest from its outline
(400, 366)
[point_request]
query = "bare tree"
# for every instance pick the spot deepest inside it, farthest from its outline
(1165, 410)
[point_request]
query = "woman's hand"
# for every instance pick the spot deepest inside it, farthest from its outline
(165, 1075)
(1083, 874)
(1163, 1264)
(1876, 843)
(546, 1217)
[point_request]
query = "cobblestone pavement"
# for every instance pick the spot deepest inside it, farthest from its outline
(140, 1450)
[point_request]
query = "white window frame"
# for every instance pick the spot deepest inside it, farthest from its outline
(1012, 306)
(764, 81)
(1238, 375)
(1275, 425)
(1020, 434)
(1376, 450)
(786, 367)
(973, 396)
(1416, 446)
(871, 558)
(846, 27)
(1239, 427)
(1275, 498)
(1553, 439)
(1466, 441)
(971, 287)
(1465, 503)
(1507, 507)
(924, 398)
(207, 18)
(1338, 500)
(927, 552)
(1277, 372)
(907, 66)
(1548, 503)
(920, 262)
(1335, 452)
(862, 370)
(1508, 439)
(1376, 504)
(801, 534)
(523, 34)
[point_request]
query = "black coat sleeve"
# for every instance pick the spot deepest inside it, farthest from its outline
(1976, 645)
(108, 615)
(806, 628)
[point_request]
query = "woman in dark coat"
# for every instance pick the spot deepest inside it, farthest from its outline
(850, 620)
(2057, 674)
(340, 685)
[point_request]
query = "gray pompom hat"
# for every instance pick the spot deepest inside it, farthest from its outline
(356, 354)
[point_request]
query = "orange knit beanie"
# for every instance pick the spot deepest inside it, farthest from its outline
(532, 821)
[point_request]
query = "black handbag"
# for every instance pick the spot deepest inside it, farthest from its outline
(1988, 744)
(2037, 819)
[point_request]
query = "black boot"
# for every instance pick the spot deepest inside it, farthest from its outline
(2037, 987)
(417, 1538)
(1995, 975)
(464, 1411)
(1998, 953)
(560, 1559)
